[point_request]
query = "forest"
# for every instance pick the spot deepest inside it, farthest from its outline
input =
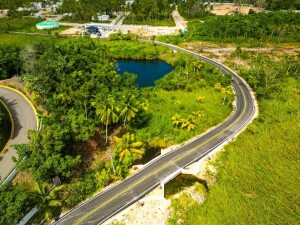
(195, 8)
(256, 28)
(150, 12)
(83, 10)
(273, 26)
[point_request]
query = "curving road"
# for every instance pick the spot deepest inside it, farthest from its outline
(24, 118)
(110, 202)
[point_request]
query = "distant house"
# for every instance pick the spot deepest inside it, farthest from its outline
(37, 5)
(67, 14)
(55, 6)
(24, 9)
(102, 17)
(129, 2)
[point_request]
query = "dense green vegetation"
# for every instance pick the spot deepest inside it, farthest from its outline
(9, 61)
(256, 28)
(14, 4)
(26, 24)
(15, 202)
(155, 13)
(5, 126)
(21, 40)
(83, 10)
(277, 26)
(82, 95)
(195, 8)
(257, 180)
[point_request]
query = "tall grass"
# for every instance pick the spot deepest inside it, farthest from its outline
(163, 105)
(258, 179)
(22, 40)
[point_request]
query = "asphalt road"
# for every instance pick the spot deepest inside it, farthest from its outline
(24, 119)
(110, 202)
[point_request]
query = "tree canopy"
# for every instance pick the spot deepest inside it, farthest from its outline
(85, 10)
(78, 85)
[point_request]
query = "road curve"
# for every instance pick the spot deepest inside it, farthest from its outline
(24, 118)
(110, 202)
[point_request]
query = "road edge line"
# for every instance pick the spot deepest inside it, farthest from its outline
(26, 98)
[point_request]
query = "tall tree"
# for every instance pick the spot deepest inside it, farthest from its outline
(106, 109)
(48, 201)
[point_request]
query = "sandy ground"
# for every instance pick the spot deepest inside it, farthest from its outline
(145, 31)
(71, 31)
(3, 13)
(152, 209)
(230, 9)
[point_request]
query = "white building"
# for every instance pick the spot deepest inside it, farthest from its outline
(37, 5)
(129, 2)
(101, 17)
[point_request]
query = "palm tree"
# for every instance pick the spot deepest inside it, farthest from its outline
(189, 123)
(197, 114)
(226, 91)
(48, 202)
(197, 65)
(128, 148)
(176, 119)
(200, 98)
(130, 107)
(107, 111)
(218, 86)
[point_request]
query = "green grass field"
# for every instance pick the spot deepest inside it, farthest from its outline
(26, 24)
(163, 105)
(258, 175)
(22, 40)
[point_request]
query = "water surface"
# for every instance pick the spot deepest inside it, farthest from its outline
(147, 71)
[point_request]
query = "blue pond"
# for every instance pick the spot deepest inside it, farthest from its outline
(147, 71)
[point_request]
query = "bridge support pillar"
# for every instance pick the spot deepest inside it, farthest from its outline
(192, 170)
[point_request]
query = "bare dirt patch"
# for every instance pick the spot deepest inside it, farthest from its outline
(230, 9)
(92, 151)
(148, 30)
(24, 177)
(3, 13)
(71, 31)
(153, 209)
